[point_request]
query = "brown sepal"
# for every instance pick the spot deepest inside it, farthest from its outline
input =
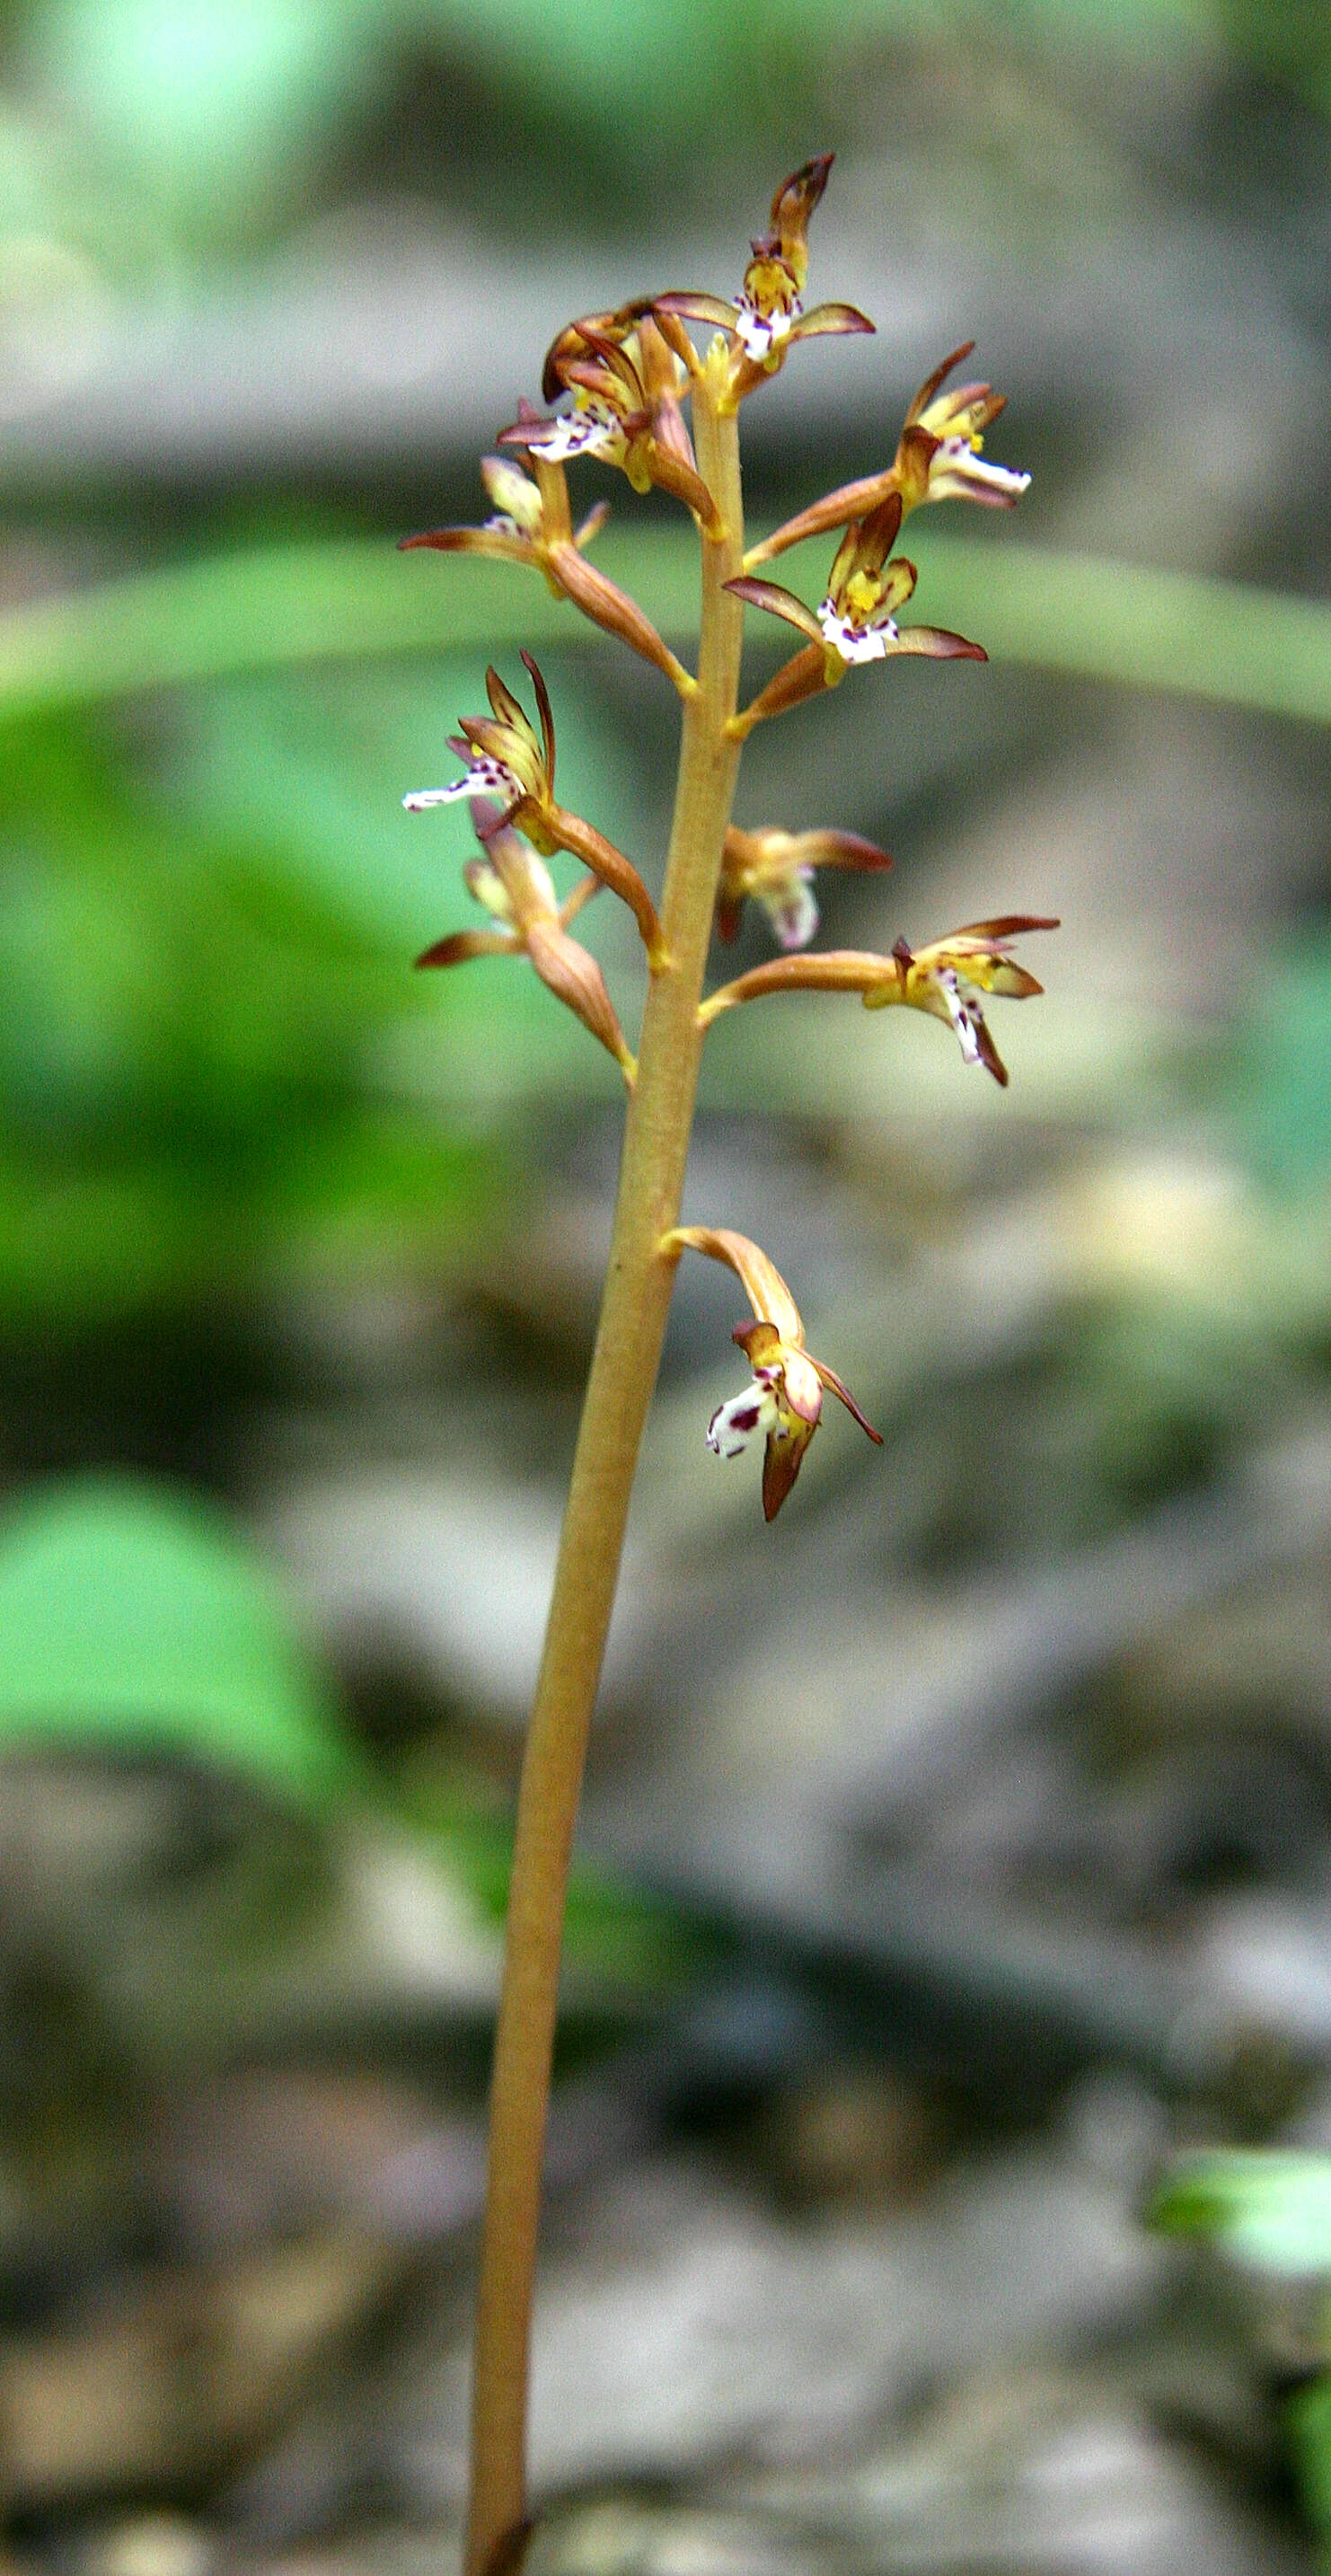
(940, 643)
(778, 603)
(463, 944)
(829, 318)
(931, 383)
(699, 308)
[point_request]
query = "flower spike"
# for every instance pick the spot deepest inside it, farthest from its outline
(509, 763)
(532, 524)
(515, 888)
(768, 313)
(946, 979)
(938, 458)
(785, 1398)
(776, 869)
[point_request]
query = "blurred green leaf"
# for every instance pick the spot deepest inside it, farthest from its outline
(214, 104)
(352, 598)
(189, 1094)
(1308, 2417)
(314, 764)
(1282, 1094)
(133, 1622)
(1270, 2207)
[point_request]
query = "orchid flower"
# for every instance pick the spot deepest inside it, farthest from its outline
(938, 458)
(507, 761)
(514, 886)
(776, 869)
(784, 1399)
(946, 978)
(628, 379)
(856, 622)
(532, 524)
(768, 313)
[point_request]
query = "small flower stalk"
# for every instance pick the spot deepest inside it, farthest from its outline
(653, 392)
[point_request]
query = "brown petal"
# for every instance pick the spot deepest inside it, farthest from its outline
(760, 1279)
(830, 1379)
(839, 850)
(592, 525)
(546, 714)
(574, 976)
(576, 336)
(1015, 983)
(1009, 925)
(675, 336)
(778, 603)
(879, 529)
(506, 707)
(462, 944)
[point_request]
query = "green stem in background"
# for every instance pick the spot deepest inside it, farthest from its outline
(1073, 614)
(619, 1392)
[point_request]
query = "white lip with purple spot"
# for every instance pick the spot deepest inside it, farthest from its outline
(735, 1424)
(856, 643)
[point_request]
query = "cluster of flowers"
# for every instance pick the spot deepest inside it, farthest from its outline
(626, 377)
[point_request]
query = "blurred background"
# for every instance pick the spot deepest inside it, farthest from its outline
(956, 1850)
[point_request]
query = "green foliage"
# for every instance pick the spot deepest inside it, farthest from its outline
(1283, 1095)
(1267, 2207)
(186, 1056)
(133, 1622)
(350, 598)
(225, 114)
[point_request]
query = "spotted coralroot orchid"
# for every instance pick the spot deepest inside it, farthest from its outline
(515, 887)
(784, 1401)
(856, 622)
(636, 388)
(776, 870)
(509, 764)
(628, 373)
(533, 525)
(947, 978)
(939, 458)
(768, 313)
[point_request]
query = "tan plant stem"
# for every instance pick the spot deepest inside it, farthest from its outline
(619, 1392)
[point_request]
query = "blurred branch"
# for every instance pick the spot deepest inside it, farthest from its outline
(1077, 614)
